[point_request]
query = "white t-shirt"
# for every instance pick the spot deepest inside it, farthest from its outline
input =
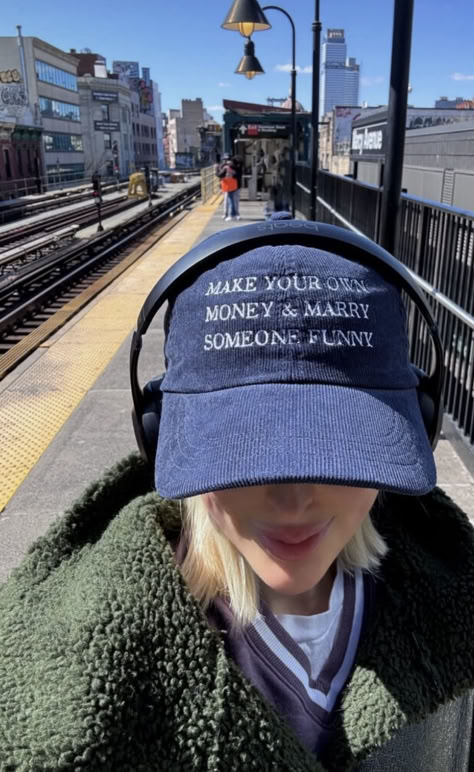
(315, 633)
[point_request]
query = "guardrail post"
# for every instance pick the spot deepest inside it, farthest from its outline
(422, 239)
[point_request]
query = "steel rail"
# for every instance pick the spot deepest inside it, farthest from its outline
(84, 215)
(34, 302)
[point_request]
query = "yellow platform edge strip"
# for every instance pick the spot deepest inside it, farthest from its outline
(37, 403)
(27, 345)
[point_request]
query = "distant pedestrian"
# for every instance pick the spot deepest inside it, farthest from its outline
(261, 169)
(238, 165)
(228, 176)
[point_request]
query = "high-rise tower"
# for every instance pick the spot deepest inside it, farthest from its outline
(339, 75)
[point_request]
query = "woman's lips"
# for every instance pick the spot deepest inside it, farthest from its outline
(293, 542)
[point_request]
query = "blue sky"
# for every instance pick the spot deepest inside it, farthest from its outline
(191, 56)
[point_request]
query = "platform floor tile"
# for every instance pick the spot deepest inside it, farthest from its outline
(37, 403)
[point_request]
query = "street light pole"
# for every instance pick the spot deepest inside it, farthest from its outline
(396, 122)
(294, 144)
(315, 111)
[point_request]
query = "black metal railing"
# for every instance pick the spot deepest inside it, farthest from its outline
(436, 242)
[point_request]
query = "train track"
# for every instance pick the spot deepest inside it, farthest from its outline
(84, 216)
(29, 301)
(24, 207)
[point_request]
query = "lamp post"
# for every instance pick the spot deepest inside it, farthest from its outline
(315, 111)
(396, 122)
(246, 17)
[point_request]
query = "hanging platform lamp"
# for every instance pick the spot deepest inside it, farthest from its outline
(249, 64)
(246, 17)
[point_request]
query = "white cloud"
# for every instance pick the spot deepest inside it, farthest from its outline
(375, 81)
(224, 85)
(287, 68)
(215, 109)
(461, 76)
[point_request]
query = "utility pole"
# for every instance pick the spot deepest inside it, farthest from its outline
(396, 122)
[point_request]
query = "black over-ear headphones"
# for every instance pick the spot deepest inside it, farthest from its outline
(235, 241)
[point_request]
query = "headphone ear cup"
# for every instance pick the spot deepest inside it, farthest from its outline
(146, 424)
(430, 406)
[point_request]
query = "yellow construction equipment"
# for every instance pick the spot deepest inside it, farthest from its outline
(137, 187)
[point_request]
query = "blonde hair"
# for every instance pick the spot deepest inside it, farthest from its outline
(213, 566)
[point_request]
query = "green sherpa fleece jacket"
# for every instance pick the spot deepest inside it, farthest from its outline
(108, 663)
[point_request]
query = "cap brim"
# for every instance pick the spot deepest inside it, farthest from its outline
(252, 435)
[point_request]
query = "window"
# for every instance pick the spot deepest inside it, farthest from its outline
(49, 74)
(107, 140)
(65, 172)
(28, 156)
(8, 168)
(19, 161)
(62, 143)
(52, 108)
(124, 115)
(105, 116)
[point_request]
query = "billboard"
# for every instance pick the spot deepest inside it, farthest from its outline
(107, 125)
(184, 160)
(343, 117)
(126, 69)
(145, 94)
(105, 96)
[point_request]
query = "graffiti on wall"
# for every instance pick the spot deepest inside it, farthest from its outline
(13, 100)
(12, 96)
(423, 122)
(10, 76)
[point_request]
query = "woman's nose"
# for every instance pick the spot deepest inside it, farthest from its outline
(293, 499)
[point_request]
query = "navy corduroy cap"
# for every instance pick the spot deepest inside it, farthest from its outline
(289, 363)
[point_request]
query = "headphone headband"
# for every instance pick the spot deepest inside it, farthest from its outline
(235, 241)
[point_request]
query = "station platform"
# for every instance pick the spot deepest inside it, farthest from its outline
(65, 411)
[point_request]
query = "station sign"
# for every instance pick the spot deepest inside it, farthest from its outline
(368, 141)
(105, 96)
(264, 130)
(107, 125)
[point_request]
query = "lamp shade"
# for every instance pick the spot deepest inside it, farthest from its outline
(249, 64)
(246, 17)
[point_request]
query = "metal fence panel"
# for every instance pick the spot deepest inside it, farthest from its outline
(436, 242)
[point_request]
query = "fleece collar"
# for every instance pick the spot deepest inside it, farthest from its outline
(416, 651)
